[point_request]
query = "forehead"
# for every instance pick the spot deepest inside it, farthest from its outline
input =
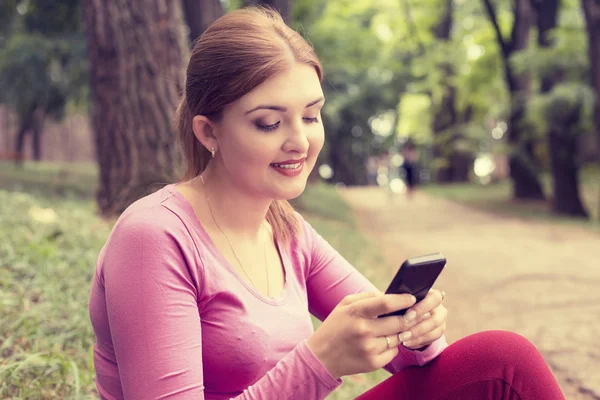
(294, 87)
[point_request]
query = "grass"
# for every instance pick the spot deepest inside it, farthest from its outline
(497, 198)
(51, 238)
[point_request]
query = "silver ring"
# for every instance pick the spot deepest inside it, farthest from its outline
(388, 343)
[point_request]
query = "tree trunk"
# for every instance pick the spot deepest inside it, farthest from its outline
(199, 14)
(136, 51)
(562, 143)
(284, 7)
(26, 125)
(445, 117)
(37, 126)
(591, 10)
(20, 142)
(522, 165)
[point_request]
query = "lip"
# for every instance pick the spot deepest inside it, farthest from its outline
(300, 160)
(290, 172)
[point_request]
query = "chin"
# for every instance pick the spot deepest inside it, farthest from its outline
(291, 192)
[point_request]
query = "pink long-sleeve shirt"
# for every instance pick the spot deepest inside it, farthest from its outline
(173, 319)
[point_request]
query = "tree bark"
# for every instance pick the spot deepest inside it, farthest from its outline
(445, 117)
(199, 14)
(136, 50)
(523, 168)
(591, 10)
(562, 142)
(284, 7)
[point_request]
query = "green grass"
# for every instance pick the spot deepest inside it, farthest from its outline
(497, 198)
(47, 255)
(51, 238)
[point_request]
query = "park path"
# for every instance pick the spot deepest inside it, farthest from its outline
(539, 279)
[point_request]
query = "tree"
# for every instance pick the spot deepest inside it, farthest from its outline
(199, 14)
(591, 10)
(42, 64)
(456, 163)
(284, 7)
(523, 167)
(563, 119)
(136, 51)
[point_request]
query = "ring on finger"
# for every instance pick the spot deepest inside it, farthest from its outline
(443, 294)
(388, 343)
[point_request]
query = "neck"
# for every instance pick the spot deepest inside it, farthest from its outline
(235, 211)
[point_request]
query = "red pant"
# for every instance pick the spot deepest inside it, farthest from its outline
(487, 365)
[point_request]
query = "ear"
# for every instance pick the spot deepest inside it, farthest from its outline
(204, 130)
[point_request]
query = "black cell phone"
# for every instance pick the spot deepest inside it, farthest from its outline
(416, 276)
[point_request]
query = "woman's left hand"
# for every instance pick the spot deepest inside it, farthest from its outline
(430, 328)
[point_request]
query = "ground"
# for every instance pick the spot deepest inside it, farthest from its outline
(538, 279)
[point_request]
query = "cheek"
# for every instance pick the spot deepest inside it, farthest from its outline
(316, 140)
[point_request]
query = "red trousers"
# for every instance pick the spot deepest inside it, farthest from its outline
(487, 365)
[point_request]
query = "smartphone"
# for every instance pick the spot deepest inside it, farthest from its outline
(416, 276)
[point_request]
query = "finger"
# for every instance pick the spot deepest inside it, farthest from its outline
(431, 301)
(426, 339)
(375, 306)
(381, 343)
(352, 298)
(393, 324)
(437, 318)
(384, 358)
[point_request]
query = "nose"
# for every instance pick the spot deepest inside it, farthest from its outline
(297, 140)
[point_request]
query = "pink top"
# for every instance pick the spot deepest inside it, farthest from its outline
(173, 319)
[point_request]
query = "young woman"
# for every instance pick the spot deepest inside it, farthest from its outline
(204, 289)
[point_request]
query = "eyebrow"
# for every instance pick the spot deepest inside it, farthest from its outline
(280, 108)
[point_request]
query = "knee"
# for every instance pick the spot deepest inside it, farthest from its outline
(494, 349)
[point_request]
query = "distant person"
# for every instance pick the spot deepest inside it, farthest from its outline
(372, 169)
(410, 167)
(204, 289)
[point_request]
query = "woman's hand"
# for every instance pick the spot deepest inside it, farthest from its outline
(432, 324)
(353, 340)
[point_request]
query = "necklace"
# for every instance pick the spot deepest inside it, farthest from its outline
(231, 247)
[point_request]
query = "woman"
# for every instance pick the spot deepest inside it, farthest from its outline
(204, 288)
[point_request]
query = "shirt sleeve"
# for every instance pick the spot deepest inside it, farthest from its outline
(152, 294)
(151, 301)
(330, 278)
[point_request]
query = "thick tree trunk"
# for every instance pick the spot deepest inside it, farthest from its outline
(445, 117)
(591, 9)
(562, 142)
(136, 51)
(522, 164)
(199, 14)
(284, 7)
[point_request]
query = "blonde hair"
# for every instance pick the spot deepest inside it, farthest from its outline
(238, 52)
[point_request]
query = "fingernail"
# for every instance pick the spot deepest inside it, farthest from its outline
(426, 315)
(405, 336)
(410, 315)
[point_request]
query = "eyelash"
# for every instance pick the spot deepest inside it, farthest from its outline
(268, 128)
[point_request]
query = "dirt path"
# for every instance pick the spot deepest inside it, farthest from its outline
(541, 280)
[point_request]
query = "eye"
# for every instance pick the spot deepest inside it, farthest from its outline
(268, 128)
(311, 120)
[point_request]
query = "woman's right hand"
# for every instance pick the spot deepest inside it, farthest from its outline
(352, 339)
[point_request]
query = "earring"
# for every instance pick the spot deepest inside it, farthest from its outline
(212, 152)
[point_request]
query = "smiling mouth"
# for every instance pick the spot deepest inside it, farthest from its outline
(287, 166)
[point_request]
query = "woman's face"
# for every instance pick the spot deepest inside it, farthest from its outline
(269, 140)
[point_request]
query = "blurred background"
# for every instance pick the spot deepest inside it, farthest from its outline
(487, 108)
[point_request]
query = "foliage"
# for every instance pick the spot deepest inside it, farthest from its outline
(42, 57)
